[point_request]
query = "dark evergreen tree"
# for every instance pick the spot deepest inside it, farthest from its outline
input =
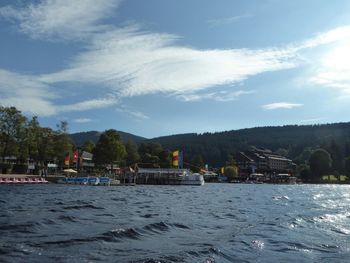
(196, 163)
(347, 166)
(320, 163)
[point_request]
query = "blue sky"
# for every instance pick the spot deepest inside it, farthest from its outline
(161, 67)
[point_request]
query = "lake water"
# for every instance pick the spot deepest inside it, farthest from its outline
(212, 223)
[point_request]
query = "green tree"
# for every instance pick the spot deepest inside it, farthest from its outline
(62, 141)
(196, 163)
(231, 172)
(320, 163)
(109, 149)
(12, 124)
(347, 166)
(305, 172)
(165, 158)
(34, 136)
(150, 154)
(132, 156)
(88, 146)
(230, 160)
(47, 146)
(305, 155)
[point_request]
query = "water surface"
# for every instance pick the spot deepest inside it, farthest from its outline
(212, 223)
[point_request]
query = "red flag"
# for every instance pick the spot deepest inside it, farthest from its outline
(75, 156)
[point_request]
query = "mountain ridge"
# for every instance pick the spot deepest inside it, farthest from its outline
(80, 137)
(217, 146)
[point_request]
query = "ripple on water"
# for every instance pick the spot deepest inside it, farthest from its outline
(213, 223)
(79, 207)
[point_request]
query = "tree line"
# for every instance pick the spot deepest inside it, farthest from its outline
(22, 139)
(317, 150)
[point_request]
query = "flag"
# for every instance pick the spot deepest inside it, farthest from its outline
(222, 170)
(66, 160)
(75, 156)
(176, 158)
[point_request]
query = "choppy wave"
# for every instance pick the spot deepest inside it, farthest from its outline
(213, 223)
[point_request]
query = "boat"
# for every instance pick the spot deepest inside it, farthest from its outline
(168, 176)
(23, 180)
(86, 180)
(192, 179)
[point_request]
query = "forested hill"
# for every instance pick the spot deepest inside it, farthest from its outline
(81, 137)
(292, 140)
(296, 142)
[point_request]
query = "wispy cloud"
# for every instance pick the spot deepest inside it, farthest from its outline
(313, 120)
(90, 104)
(227, 20)
(281, 105)
(221, 96)
(82, 120)
(32, 95)
(132, 62)
(327, 37)
(136, 114)
(27, 93)
(61, 19)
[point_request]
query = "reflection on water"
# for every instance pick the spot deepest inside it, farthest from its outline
(212, 223)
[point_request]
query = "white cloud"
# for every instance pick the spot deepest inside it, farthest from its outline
(132, 62)
(227, 20)
(281, 105)
(137, 114)
(221, 96)
(64, 19)
(327, 37)
(26, 93)
(313, 120)
(82, 120)
(32, 95)
(333, 70)
(90, 104)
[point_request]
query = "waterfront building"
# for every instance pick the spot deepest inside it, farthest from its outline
(262, 161)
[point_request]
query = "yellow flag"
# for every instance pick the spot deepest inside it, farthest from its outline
(176, 158)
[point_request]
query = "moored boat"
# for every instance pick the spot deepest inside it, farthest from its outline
(168, 177)
(192, 179)
(85, 180)
(23, 180)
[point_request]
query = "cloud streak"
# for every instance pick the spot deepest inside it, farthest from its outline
(136, 114)
(221, 96)
(82, 120)
(227, 20)
(281, 105)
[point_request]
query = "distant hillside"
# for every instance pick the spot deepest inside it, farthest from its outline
(215, 147)
(80, 137)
